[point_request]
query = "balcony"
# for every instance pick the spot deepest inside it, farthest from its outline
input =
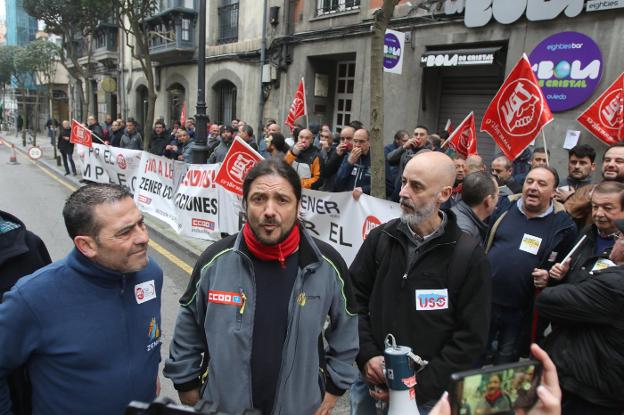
(172, 31)
(328, 7)
(105, 45)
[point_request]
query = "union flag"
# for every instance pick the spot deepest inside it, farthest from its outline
(464, 139)
(80, 134)
(605, 117)
(298, 106)
(518, 111)
(239, 159)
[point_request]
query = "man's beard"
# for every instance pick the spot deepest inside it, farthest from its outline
(418, 215)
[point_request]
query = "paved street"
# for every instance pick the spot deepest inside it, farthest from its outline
(36, 191)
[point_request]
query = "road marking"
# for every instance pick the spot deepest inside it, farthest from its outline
(171, 257)
(158, 248)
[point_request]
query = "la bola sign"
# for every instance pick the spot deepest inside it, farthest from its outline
(568, 66)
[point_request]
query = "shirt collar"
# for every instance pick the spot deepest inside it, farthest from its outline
(520, 204)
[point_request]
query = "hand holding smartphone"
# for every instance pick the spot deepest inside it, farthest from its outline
(495, 390)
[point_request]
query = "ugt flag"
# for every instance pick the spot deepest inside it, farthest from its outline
(239, 159)
(605, 117)
(518, 111)
(464, 138)
(183, 115)
(298, 106)
(80, 134)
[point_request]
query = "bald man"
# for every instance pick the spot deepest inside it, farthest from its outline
(306, 160)
(424, 281)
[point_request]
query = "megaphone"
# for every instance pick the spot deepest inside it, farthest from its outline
(401, 377)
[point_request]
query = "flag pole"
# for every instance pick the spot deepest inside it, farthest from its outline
(545, 148)
(305, 104)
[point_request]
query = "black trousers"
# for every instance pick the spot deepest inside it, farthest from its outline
(68, 156)
(572, 404)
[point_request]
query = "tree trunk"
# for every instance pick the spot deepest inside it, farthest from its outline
(381, 18)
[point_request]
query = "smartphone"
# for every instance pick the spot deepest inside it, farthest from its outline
(496, 389)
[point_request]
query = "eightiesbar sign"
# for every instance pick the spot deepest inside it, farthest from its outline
(478, 13)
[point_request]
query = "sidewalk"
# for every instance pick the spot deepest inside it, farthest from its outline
(192, 246)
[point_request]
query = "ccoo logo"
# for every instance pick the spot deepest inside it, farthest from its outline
(520, 108)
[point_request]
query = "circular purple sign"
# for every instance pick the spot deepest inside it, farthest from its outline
(568, 66)
(392, 51)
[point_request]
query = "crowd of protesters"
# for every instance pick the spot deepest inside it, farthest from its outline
(519, 254)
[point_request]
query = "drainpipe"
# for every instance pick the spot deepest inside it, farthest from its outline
(263, 47)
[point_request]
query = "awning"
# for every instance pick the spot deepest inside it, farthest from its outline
(459, 57)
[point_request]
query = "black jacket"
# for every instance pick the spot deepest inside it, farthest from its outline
(21, 253)
(158, 143)
(115, 137)
(451, 339)
(65, 146)
(587, 341)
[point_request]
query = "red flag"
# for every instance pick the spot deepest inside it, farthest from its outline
(464, 138)
(80, 134)
(239, 159)
(605, 118)
(449, 127)
(298, 106)
(518, 111)
(183, 115)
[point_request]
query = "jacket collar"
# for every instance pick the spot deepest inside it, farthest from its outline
(12, 242)
(308, 251)
(450, 235)
(93, 271)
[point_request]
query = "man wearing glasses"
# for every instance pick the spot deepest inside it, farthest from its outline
(354, 172)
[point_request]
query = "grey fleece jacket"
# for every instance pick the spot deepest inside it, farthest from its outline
(224, 332)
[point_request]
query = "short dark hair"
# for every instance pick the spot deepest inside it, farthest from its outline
(79, 208)
(582, 151)
(229, 129)
(399, 134)
(356, 125)
(540, 150)
(161, 123)
(279, 142)
(132, 121)
(609, 187)
(270, 121)
(476, 187)
(272, 167)
(248, 130)
(423, 127)
(552, 171)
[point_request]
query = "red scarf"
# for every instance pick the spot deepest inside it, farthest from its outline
(492, 397)
(278, 252)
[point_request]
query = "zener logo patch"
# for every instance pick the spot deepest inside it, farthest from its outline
(224, 297)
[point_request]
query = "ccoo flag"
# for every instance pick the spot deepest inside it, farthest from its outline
(464, 138)
(605, 117)
(80, 134)
(298, 106)
(518, 111)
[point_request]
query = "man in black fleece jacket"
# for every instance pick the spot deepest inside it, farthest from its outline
(424, 281)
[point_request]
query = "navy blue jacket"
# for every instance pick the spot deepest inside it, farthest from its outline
(89, 346)
(356, 175)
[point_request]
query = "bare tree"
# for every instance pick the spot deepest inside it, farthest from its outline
(381, 18)
(131, 16)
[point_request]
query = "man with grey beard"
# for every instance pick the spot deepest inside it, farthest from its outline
(424, 281)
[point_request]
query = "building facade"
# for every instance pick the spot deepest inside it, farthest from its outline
(455, 56)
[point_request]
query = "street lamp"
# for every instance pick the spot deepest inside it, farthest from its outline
(200, 149)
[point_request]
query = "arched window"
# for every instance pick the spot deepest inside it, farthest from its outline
(225, 93)
(176, 96)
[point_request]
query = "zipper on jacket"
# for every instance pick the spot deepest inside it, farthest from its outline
(253, 317)
(123, 284)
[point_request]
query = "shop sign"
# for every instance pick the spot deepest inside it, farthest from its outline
(568, 66)
(394, 43)
(432, 60)
(597, 5)
(478, 13)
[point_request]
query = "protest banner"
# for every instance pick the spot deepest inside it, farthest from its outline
(518, 111)
(341, 221)
(605, 117)
(464, 139)
(80, 134)
(239, 159)
(156, 187)
(106, 164)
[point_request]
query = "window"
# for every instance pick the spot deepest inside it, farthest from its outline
(176, 95)
(336, 6)
(345, 85)
(186, 29)
(228, 21)
(225, 92)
